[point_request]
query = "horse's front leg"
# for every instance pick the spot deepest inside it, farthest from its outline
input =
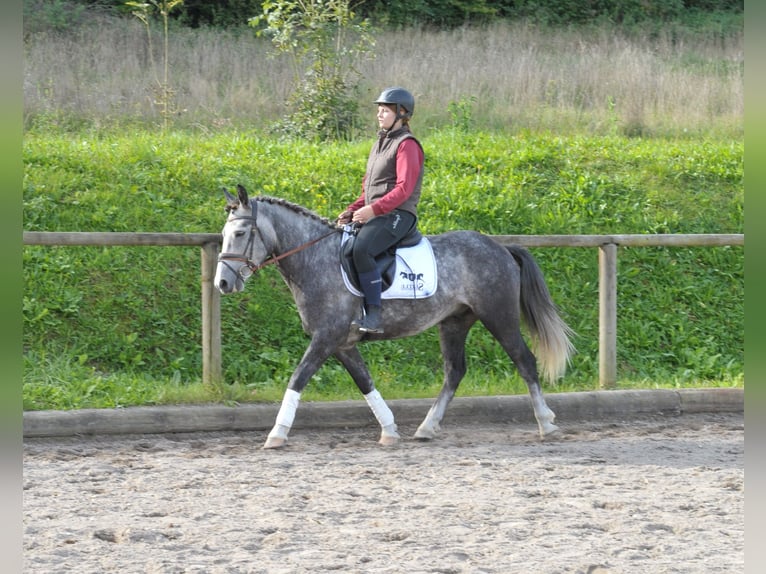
(312, 359)
(356, 367)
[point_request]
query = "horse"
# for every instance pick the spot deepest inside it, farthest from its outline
(478, 280)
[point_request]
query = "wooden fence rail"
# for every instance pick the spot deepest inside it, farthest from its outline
(210, 244)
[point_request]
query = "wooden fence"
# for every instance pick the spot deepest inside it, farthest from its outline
(211, 305)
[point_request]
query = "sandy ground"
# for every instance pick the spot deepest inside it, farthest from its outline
(644, 496)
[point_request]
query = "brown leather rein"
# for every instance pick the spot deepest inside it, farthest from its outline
(225, 257)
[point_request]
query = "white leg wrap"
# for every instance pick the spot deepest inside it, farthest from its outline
(286, 414)
(380, 408)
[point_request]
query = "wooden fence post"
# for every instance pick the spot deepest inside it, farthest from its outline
(212, 373)
(607, 315)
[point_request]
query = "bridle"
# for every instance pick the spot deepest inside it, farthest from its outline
(249, 267)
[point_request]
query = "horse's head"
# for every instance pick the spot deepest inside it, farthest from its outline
(242, 250)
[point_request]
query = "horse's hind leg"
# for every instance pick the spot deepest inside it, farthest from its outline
(452, 332)
(354, 363)
(527, 366)
(543, 413)
(513, 343)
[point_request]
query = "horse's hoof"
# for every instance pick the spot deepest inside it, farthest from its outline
(423, 434)
(388, 439)
(550, 431)
(275, 442)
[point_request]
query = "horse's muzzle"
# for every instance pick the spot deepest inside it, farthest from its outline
(225, 287)
(228, 279)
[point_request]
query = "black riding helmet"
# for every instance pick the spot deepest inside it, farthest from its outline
(401, 98)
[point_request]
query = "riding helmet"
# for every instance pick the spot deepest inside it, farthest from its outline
(401, 98)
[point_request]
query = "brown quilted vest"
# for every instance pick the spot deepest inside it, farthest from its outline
(381, 170)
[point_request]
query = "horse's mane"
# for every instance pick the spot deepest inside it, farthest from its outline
(299, 209)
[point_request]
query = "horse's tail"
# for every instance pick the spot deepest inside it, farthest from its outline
(550, 334)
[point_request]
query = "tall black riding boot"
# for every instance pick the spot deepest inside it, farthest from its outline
(371, 285)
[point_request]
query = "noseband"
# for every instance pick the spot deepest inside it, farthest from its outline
(247, 262)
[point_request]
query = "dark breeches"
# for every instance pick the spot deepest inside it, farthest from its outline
(379, 234)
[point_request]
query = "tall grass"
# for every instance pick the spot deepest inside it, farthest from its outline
(509, 76)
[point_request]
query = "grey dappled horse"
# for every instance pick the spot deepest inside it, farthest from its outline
(478, 279)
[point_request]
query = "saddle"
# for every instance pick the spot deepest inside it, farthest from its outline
(385, 262)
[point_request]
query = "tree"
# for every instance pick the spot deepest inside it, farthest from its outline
(325, 41)
(165, 94)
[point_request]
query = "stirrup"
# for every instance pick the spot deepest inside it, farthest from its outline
(365, 326)
(370, 323)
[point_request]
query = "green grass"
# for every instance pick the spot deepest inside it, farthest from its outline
(118, 326)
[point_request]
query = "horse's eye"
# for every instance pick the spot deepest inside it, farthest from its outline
(239, 233)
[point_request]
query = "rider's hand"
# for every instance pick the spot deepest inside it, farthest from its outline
(363, 215)
(344, 217)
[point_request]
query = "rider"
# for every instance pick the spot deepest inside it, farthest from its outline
(387, 207)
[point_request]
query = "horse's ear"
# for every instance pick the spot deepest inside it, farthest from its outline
(231, 201)
(242, 194)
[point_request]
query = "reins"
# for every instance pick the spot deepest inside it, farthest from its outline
(251, 265)
(294, 250)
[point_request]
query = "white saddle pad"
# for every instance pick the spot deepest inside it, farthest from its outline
(415, 276)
